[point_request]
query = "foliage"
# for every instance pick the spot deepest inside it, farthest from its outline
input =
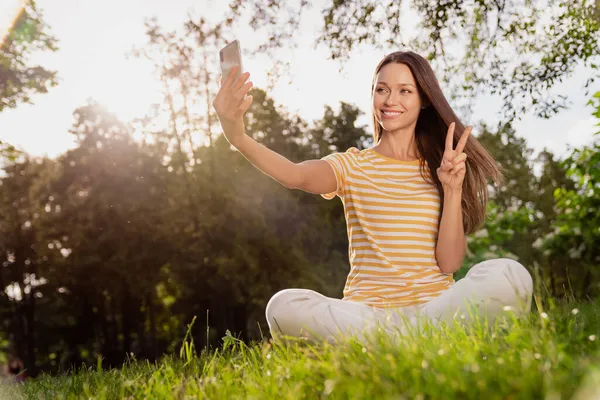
(108, 250)
(8, 151)
(126, 241)
(19, 80)
(576, 237)
(514, 49)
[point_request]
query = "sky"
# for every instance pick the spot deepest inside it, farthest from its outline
(94, 37)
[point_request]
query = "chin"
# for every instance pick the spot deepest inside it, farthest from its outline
(390, 127)
(396, 125)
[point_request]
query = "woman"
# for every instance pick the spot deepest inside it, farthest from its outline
(409, 201)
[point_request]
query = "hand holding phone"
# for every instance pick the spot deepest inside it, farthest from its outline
(231, 56)
(231, 102)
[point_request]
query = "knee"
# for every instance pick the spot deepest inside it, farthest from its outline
(518, 284)
(518, 277)
(281, 306)
(276, 304)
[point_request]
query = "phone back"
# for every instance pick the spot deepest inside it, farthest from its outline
(230, 56)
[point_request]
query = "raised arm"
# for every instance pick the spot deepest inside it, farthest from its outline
(313, 176)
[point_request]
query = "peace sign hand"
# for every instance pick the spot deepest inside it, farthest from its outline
(451, 172)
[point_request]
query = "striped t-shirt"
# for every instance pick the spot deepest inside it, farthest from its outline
(392, 223)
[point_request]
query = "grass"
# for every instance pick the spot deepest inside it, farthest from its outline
(551, 354)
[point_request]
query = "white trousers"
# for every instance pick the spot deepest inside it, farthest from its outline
(486, 290)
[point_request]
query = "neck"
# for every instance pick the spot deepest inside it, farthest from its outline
(399, 144)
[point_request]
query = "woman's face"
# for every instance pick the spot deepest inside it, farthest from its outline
(396, 100)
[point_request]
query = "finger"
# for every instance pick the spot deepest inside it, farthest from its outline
(218, 99)
(463, 139)
(243, 90)
(459, 167)
(450, 137)
(446, 165)
(231, 76)
(244, 106)
(459, 158)
(240, 81)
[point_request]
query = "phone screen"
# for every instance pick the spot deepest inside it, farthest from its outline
(231, 56)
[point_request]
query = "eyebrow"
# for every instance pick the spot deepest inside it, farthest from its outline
(400, 84)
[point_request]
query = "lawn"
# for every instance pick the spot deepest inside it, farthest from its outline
(553, 353)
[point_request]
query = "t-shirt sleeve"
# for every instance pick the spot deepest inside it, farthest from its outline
(340, 163)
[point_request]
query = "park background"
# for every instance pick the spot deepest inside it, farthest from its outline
(125, 213)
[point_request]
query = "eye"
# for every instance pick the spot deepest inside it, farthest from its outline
(405, 90)
(378, 90)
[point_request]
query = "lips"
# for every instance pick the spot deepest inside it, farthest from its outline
(390, 114)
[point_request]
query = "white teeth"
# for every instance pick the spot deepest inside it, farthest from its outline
(391, 114)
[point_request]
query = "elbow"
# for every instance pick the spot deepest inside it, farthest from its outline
(449, 267)
(296, 180)
(292, 185)
(450, 263)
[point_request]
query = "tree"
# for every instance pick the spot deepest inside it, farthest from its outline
(339, 132)
(21, 256)
(19, 81)
(553, 176)
(523, 209)
(575, 240)
(108, 204)
(513, 155)
(475, 46)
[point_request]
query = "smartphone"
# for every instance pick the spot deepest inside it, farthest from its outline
(231, 56)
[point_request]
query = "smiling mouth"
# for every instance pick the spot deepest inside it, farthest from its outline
(391, 114)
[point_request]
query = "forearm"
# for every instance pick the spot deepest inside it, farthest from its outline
(268, 161)
(450, 249)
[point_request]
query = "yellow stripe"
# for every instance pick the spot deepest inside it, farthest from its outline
(398, 239)
(399, 246)
(394, 230)
(390, 213)
(395, 275)
(388, 256)
(399, 221)
(430, 199)
(364, 202)
(360, 263)
(415, 179)
(395, 187)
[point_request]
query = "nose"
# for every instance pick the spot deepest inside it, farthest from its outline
(392, 99)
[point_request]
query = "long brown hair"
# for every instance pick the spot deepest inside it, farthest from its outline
(430, 137)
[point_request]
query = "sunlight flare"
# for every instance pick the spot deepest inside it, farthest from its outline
(9, 12)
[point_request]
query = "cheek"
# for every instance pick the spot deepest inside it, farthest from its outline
(376, 104)
(410, 101)
(377, 100)
(411, 104)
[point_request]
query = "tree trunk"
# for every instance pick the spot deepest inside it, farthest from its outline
(105, 332)
(152, 316)
(240, 321)
(30, 361)
(126, 319)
